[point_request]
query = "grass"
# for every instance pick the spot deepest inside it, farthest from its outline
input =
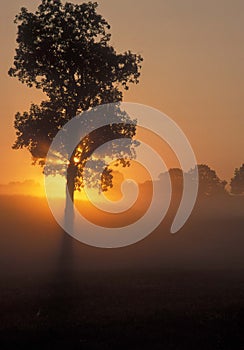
(172, 292)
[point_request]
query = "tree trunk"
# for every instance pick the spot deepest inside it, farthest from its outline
(69, 207)
(65, 265)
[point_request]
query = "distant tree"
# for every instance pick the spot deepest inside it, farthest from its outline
(64, 50)
(176, 176)
(237, 182)
(209, 183)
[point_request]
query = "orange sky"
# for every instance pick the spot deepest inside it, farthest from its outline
(193, 71)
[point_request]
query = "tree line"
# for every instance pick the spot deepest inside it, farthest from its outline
(209, 182)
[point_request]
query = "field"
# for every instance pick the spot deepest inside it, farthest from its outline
(180, 291)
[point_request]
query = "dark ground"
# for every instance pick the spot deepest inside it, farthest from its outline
(173, 292)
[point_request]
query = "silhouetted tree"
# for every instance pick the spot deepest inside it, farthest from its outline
(237, 182)
(176, 176)
(64, 50)
(209, 183)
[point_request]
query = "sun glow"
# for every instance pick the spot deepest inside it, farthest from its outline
(76, 159)
(57, 185)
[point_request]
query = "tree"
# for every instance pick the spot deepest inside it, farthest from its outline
(209, 183)
(64, 50)
(237, 182)
(176, 176)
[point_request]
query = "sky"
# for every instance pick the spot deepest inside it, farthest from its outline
(193, 71)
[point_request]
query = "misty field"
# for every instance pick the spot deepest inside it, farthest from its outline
(180, 291)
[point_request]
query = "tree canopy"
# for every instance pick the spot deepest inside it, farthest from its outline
(209, 182)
